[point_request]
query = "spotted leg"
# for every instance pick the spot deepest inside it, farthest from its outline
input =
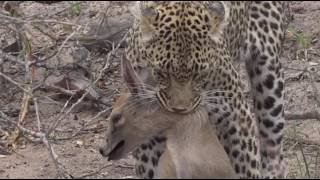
(262, 50)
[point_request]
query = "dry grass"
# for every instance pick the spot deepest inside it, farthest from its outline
(53, 36)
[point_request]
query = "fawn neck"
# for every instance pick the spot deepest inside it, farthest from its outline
(196, 151)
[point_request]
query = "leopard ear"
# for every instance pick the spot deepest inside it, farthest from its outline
(148, 8)
(219, 15)
(146, 12)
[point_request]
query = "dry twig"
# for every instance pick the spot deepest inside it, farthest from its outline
(19, 25)
(307, 115)
(41, 137)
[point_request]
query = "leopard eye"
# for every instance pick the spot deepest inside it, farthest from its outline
(161, 75)
(198, 87)
(162, 79)
(163, 83)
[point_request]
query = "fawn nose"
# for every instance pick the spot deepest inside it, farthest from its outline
(102, 151)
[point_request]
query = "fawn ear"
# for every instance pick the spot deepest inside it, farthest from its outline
(130, 77)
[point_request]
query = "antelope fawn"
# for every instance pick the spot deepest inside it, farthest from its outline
(192, 150)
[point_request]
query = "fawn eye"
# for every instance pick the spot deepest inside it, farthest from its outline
(115, 118)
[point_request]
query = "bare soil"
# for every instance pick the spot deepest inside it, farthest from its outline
(79, 154)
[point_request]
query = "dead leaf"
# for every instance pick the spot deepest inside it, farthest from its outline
(313, 63)
(79, 143)
(290, 34)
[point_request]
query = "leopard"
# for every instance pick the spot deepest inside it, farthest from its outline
(184, 50)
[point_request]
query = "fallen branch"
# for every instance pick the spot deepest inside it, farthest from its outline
(314, 87)
(42, 137)
(94, 173)
(304, 141)
(307, 115)
(4, 56)
(15, 83)
(88, 122)
(4, 152)
(103, 167)
(16, 20)
(31, 85)
(63, 115)
(61, 172)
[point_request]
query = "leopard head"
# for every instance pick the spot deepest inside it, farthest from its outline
(180, 41)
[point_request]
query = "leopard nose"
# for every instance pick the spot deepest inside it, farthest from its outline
(179, 109)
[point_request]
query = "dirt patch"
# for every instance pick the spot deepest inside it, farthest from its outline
(79, 155)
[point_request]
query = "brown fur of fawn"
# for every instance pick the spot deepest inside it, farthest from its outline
(193, 149)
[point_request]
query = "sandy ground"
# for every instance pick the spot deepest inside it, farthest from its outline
(79, 155)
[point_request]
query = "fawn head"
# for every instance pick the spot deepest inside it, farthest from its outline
(136, 116)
